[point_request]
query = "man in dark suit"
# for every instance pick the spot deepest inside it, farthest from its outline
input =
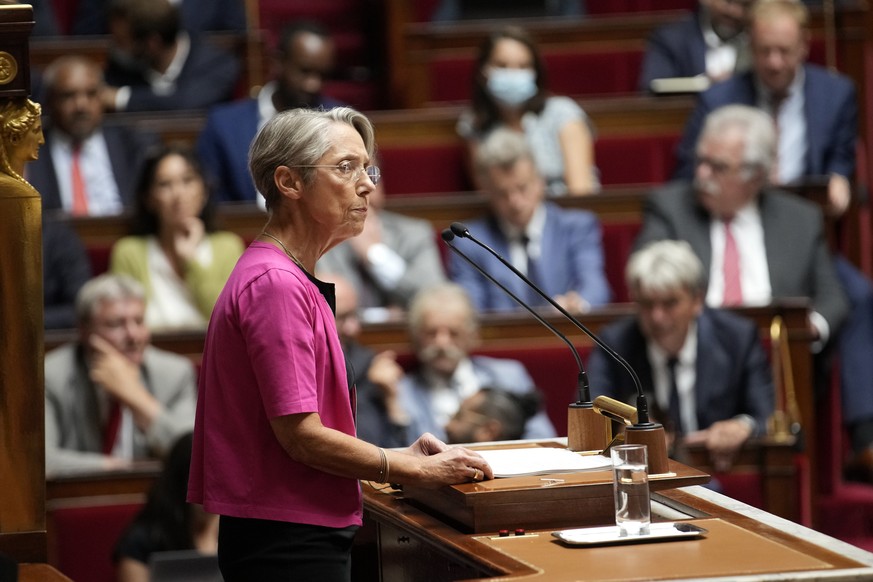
(778, 241)
(109, 156)
(815, 109)
(559, 249)
(305, 57)
(155, 66)
(703, 370)
(710, 42)
(778, 237)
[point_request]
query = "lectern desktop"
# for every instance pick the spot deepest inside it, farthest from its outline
(453, 534)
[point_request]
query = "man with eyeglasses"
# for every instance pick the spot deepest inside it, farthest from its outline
(393, 258)
(758, 243)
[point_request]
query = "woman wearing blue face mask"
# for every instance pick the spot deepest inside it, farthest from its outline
(509, 91)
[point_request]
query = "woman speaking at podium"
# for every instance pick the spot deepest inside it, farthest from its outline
(275, 453)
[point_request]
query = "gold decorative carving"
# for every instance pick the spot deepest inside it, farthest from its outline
(8, 68)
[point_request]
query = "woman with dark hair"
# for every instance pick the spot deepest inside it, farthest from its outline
(509, 90)
(174, 249)
(166, 522)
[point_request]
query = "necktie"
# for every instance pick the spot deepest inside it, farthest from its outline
(80, 194)
(532, 274)
(113, 423)
(733, 289)
(675, 414)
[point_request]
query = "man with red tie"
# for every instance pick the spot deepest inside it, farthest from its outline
(756, 243)
(87, 167)
(780, 249)
(111, 397)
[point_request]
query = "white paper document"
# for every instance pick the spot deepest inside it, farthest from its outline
(540, 461)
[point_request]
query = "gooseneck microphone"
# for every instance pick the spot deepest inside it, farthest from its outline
(582, 380)
(460, 230)
(586, 429)
(644, 431)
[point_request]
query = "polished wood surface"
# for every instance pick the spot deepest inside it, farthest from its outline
(415, 544)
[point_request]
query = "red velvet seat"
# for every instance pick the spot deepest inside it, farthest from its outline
(81, 538)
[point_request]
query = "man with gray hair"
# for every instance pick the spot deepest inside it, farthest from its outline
(111, 397)
(559, 249)
(444, 330)
(704, 370)
(758, 244)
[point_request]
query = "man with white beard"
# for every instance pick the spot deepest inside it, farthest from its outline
(443, 329)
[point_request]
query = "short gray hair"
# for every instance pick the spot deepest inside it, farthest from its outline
(299, 137)
(436, 297)
(757, 126)
(664, 266)
(501, 149)
(106, 287)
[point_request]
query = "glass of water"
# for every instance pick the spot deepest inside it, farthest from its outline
(631, 488)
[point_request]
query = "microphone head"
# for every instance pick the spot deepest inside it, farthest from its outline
(448, 235)
(460, 229)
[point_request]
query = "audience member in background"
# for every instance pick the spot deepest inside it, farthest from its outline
(380, 418)
(704, 370)
(510, 90)
(166, 522)
(111, 397)
(759, 244)
(198, 16)
(559, 249)
(451, 10)
(304, 59)
(711, 42)
(444, 329)
(814, 109)
(65, 268)
(493, 415)
(174, 249)
(155, 66)
(393, 258)
(87, 167)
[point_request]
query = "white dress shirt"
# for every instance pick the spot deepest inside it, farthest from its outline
(686, 377)
(518, 254)
(100, 186)
(791, 128)
(754, 270)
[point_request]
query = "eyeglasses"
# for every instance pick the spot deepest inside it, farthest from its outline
(351, 172)
(718, 167)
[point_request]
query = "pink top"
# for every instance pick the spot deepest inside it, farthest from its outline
(271, 349)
